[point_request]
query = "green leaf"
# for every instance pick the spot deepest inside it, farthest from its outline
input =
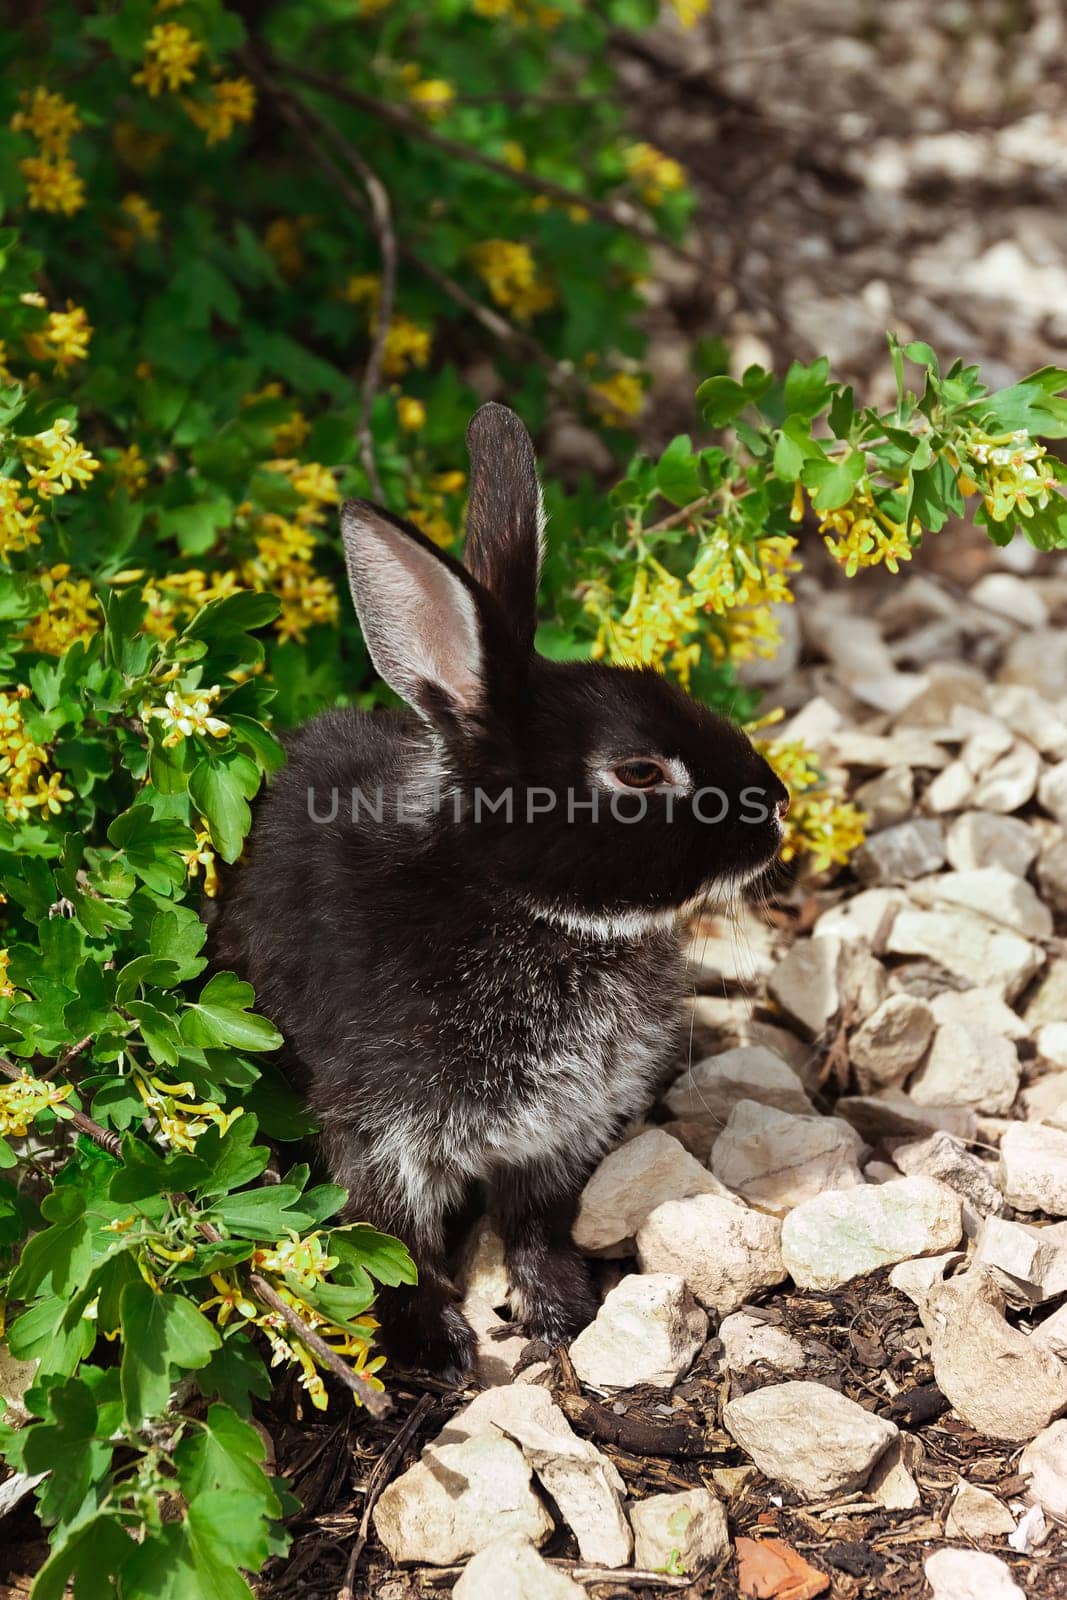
(834, 482)
(221, 1016)
(94, 1555)
(722, 401)
(218, 795)
(677, 473)
(158, 1031)
(158, 1331)
(61, 1255)
(225, 1453)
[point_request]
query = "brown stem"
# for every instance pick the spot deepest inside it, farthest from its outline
(111, 1142)
(617, 213)
(677, 517)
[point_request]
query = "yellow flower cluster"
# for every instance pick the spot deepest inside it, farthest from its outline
(297, 1267)
(64, 339)
(428, 508)
(171, 54)
(859, 535)
(7, 988)
(654, 173)
(23, 784)
(175, 597)
(653, 630)
(432, 96)
(20, 518)
(411, 414)
(202, 855)
(52, 180)
(130, 470)
(521, 13)
(55, 461)
(72, 612)
(689, 12)
(511, 275)
(618, 398)
(1014, 473)
(23, 1100)
(282, 238)
(230, 102)
(187, 716)
(820, 824)
(180, 1117)
(406, 345)
(143, 224)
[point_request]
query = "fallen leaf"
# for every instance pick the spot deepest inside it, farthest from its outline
(770, 1569)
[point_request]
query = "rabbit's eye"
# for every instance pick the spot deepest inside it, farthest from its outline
(640, 774)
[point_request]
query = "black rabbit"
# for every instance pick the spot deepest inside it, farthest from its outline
(463, 916)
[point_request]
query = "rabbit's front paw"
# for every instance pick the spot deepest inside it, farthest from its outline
(554, 1300)
(430, 1332)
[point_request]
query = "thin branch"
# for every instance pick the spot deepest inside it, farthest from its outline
(676, 518)
(377, 1404)
(616, 213)
(383, 1471)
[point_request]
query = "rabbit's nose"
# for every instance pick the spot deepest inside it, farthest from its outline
(782, 808)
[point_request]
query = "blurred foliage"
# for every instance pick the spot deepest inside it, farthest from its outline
(192, 297)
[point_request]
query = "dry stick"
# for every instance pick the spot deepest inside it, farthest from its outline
(377, 1404)
(618, 213)
(681, 515)
(383, 1471)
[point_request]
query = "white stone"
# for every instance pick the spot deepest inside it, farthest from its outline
(805, 984)
(1045, 1100)
(649, 1330)
(977, 1514)
(1013, 597)
(709, 1090)
(511, 1569)
(1030, 1532)
(739, 948)
(984, 839)
(1048, 1002)
(1044, 1462)
(1052, 1333)
(888, 798)
(774, 1160)
(892, 1115)
(15, 1378)
(968, 1066)
(748, 1337)
(581, 1481)
(916, 1278)
(979, 952)
(1052, 874)
(969, 1575)
(498, 1351)
(905, 851)
(1051, 1041)
(996, 1378)
(724, 1251)
(948, 1160)
(458, 1499)
(1009, 782)
(853, 747)
(808, 1437)
(483, 1270)
(979, 1008)
(629, 1183)
(950, 790)
(891, 1484)
(1030, 715)
(1028, 1264)
(1052, 792)
(844, 1233)
(987, 742)
(891, 1043)
(991, 892)
(1033, 1166)
(866, 916)
(679, 1533)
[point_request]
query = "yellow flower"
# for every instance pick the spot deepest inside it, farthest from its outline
(51, 120)
(20, 520)
(170, 57)
(307, 600)
(21, 761)
(1012, 470)
(22, 1101)
(689, 12)
(145, 217)
(56, 461)
(7, 988)
(180, 1119)
(289, 436)
(63, 340)
(654, 173)
(230, 102)
(314, 483)
(511, 275)
(52, 184)
(187, 716)
(202, 855)
(72, 613)
(655, 625)
(430, 95)
(820, 823)
(131, 470)
(450, 482)
(411, 414)
(362, 288)
(430, 518)
(282, 238)
(303, 1259)
(860, 535)
(406, 345)
(619, 398)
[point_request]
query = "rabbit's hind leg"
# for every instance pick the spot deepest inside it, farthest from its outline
(422, 1326)
(533, 1208)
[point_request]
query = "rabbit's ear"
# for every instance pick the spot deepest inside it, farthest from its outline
(505, 516)
(419, 613)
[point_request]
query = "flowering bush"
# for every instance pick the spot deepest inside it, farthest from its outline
(245, 278)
